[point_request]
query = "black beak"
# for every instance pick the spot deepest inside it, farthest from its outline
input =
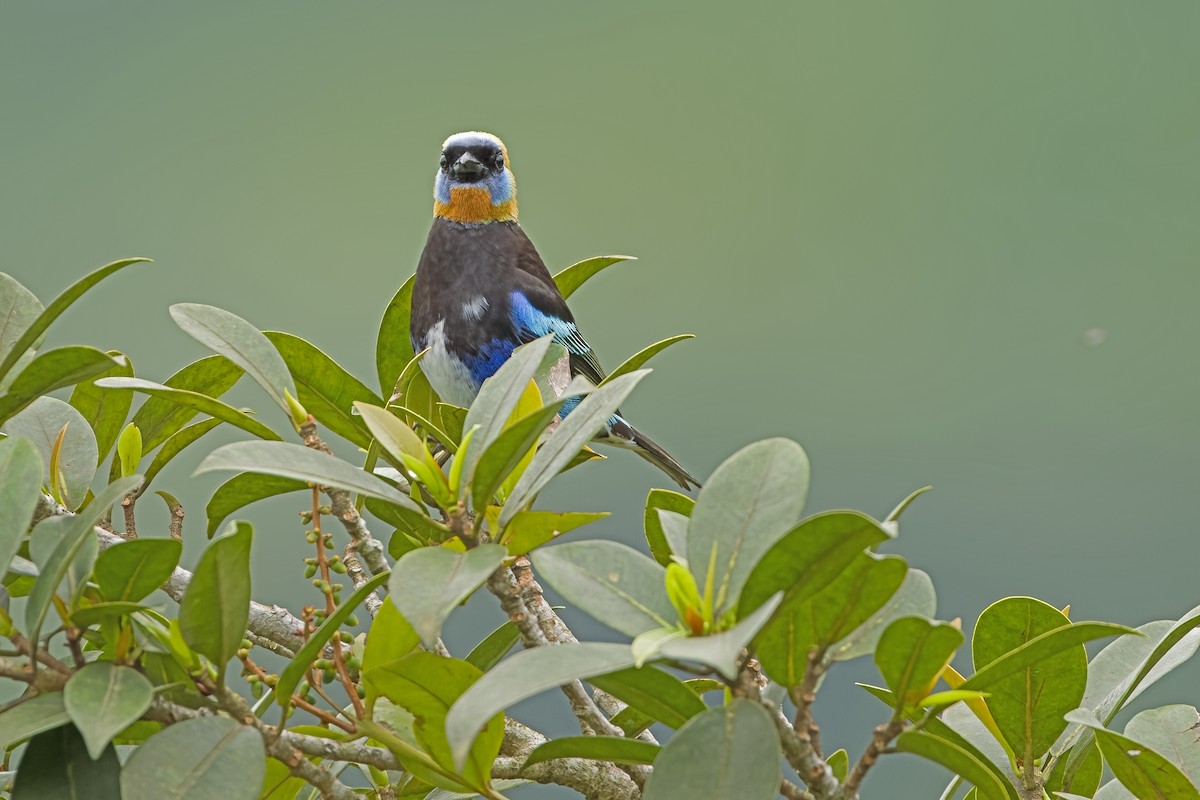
(467, 169)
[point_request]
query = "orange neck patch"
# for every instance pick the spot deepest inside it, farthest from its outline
(474, 204)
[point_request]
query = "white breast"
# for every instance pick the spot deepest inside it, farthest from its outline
(448, 376)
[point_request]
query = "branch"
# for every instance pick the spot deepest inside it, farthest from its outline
(271, 627)
(879, 742)
(354, 569)
(595, 780)
(341, 505)
(557, 631)
(797, 747)
(804, 696)
(505, 585)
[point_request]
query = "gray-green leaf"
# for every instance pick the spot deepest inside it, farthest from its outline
(288, 460)
(751, 500)
(20, 485)
(40, 423)
(523, 675)
(227, 334)
(726, 753)
(206, 758)
(612, 582)
(103, 699)
(429, 583)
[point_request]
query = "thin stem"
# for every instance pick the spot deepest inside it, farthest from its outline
(882, 737)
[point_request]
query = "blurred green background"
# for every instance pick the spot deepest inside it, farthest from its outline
(935, 242)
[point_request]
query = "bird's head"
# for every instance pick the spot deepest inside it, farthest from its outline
(474, 183)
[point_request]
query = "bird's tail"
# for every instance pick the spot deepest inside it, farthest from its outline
(622, 434)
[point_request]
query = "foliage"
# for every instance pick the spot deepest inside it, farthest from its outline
(729, 622)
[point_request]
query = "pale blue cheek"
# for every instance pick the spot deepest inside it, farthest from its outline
(441, 188)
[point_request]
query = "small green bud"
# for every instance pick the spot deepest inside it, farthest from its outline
(310, 570)
(299, 415)
(352, 621)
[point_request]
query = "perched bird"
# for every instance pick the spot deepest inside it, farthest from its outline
(481, 290)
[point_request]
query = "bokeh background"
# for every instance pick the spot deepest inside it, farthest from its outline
(935, 242)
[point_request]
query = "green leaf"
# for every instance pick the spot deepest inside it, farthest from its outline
(496, 465)
(597, 748)
(427, 584)
(131, 570)
(575, 431)
(497, 399)
(828, 616)
(612, 582)
(639, 359)
(287, 460)
(35, 329)
(1086, 778)
(327, 390)
(53, 369)
(162, 415)
(578, 273)
(19, 307)
(205, 758)
(97, 613)
(427, 685)
(104, 699)
(1170, 730)
(915, 597)
(528, 530)
(105, 409)
(674, 530)
(129, 450)
(911, 655)
(76, 533)
(894, 516)
(293, 673)
(41, 423)
(657, 694)
(809, 557)
(726, 753)
(1145, 772)
(193, 400)
(20, 485)
(216, 604)
(227, 334)
(667, 500)
(390, 639)
(494, 647)
(393, 345)
(30, 717)
(958, 760)
(1040, 648)
(175, 445)
(395, 437)
(839, 763)
(56, 765)
(721, 651)
(748, 504)
(523, 675)
(1028, 705)
(242, 490)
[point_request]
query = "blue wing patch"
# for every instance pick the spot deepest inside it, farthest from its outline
(535, 324)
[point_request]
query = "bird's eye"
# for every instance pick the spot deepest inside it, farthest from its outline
(498, 161)
(443, 161)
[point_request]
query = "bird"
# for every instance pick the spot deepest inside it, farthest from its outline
(481, 290)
